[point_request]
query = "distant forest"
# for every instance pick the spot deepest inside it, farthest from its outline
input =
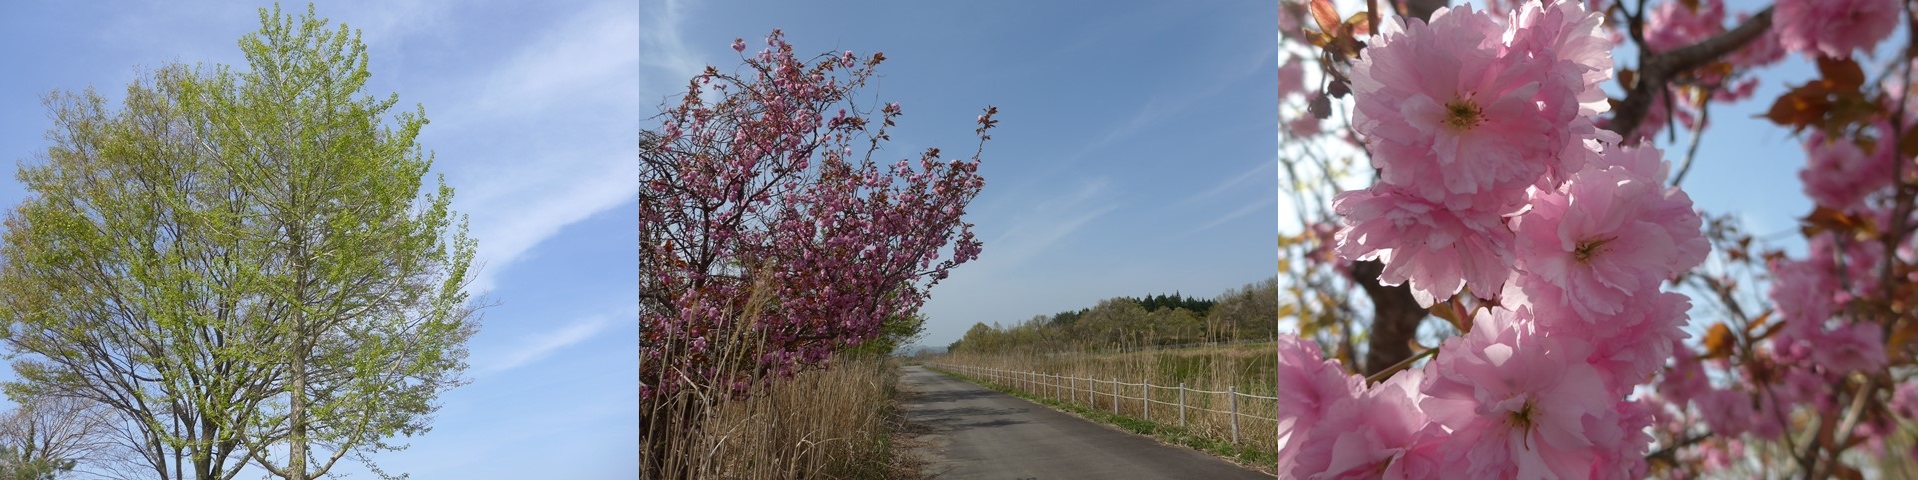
(1245, 313)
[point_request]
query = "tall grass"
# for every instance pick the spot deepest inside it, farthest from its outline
(831, 423)
(834, 423)
(1248, 368)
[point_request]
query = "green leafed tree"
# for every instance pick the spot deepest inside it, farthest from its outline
(242, 263)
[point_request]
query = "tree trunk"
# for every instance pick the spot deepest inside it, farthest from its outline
(1395, 318)
(296, 461)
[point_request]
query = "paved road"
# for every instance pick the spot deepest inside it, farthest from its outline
(972, 432)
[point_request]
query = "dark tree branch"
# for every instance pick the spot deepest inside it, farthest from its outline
(1657, 70)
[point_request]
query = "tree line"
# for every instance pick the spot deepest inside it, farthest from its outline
(1248, 312)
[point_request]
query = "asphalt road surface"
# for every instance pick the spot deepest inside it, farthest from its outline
(972, 432)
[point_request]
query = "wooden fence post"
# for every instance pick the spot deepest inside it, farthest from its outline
(1145, 397)
(1234, 391)
(1181, 404)
(1115, 395)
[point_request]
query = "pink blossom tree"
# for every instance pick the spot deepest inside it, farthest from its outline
(770, 237)
(1519, 202)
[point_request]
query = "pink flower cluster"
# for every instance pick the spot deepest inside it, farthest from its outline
(1493, 181)
(1834, 28)
(1840, 173)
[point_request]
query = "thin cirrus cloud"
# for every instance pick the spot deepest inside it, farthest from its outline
(541, 346)
(664, 59)
(1247, 209)
(1048, 222)
(565, 103)
(1240, 182)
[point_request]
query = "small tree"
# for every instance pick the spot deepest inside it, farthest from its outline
(17, 466)
(42, 436)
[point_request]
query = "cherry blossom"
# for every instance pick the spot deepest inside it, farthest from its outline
(1839, 174)
(1439, 251)
(1608, 235)
(1380, 434)
(1834, 28)
(1514, 399)
(1449, 119)
(1308, 388)
(1569, 35)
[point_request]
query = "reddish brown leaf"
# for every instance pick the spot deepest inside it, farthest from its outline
(1824, 219)
(1326, 15)
(1718, 341)
(1843, 74)
(1850, 108)
(1802, 106)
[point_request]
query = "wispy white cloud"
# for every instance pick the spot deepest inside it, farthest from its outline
(1048, 222)
(1259, 170)
(664, 60)
(1247, 209)
(541, 346)
(562, 114)
(590, 54)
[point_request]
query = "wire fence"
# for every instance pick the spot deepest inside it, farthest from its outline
(1252, 420)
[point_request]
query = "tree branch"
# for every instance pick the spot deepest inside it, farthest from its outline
(1656, 71)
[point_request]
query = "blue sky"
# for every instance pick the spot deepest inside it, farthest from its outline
(533, 113)
(1134, 151)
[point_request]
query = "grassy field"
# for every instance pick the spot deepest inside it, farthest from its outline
(1248, 368)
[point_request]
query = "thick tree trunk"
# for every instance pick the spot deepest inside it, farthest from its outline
(1395, 318)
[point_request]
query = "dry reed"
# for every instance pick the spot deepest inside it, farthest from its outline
(834, 423)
